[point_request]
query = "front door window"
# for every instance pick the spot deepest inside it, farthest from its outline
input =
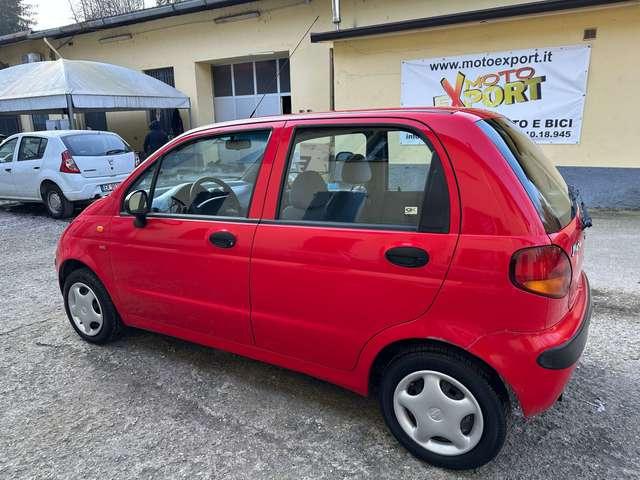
(212, 176)
(7, 149)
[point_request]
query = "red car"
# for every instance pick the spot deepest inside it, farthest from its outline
(431, 257)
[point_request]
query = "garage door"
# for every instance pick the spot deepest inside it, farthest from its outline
(239, 87)
(9, 124)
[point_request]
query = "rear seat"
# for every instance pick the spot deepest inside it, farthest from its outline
(345, 205)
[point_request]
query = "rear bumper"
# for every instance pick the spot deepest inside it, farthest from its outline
(565, 355)
(89, 188)
(537, 366)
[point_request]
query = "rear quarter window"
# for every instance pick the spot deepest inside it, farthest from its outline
(542, 181)
(95, 145)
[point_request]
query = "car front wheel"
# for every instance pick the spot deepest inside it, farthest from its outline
(443, 409)
(89, 307)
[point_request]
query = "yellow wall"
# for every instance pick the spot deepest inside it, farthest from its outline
(368, 72)
(359, 13)
(190, 43)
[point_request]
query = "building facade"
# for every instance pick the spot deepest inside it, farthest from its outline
(228, 55)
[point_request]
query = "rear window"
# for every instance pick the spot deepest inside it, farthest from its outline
(95, 145)
(539, 176)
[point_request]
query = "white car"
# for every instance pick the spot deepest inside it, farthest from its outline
(62, 167)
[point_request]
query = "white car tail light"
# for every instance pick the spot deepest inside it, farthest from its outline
(67, 165)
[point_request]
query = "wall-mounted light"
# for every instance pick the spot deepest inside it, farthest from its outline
(237, 17)
(116, 38)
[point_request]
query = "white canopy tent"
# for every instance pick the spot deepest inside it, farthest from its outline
(82, 85)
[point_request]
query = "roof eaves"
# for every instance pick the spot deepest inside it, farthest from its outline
(496, 13)
(14, 37)
(146, 15)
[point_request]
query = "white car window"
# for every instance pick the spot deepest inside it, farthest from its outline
(7, 149)
(32, 148)
(95, 144)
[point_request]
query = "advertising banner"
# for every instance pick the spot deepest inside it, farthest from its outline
(541, 89)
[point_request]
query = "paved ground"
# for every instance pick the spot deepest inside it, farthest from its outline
(154, 407)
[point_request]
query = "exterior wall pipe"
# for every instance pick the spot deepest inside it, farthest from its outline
(335, 6)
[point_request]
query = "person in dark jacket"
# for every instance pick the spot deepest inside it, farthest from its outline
(155, 138)
(176, 123)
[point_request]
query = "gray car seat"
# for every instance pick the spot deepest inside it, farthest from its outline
(302, 198)
(356, 171)
(346, 205)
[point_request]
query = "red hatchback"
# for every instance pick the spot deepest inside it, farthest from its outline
(432, 257)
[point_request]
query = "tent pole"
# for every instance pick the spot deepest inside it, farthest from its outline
(72, 122)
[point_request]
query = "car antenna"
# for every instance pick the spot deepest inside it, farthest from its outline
(286, 62)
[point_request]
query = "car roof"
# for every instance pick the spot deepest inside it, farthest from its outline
(371, 112)
(64, 133)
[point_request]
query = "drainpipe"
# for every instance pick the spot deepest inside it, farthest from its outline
(335, 5)
(332, 82)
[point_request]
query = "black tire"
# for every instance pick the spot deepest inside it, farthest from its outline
(111, 324)
(62, 208)
(470, 375)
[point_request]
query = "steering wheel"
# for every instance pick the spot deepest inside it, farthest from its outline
(196, 187)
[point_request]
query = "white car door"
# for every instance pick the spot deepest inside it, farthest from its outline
(7, 153)
(26, 168)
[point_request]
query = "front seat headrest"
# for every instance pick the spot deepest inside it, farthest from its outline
(356, 170)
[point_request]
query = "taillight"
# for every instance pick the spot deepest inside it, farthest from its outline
(67, 165)
(544, 270)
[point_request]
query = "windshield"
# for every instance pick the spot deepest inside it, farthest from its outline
(95, 144)
(539, 176)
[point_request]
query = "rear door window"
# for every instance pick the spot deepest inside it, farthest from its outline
(364, 176)
(539, 176)
(32, 148)
(95, 145)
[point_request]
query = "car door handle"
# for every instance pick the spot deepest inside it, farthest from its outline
(410, 257)
(223, 239)
(7, 170)
(36, 168)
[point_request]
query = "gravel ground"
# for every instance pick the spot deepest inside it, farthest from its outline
(149, 406)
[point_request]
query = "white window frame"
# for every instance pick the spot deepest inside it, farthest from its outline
(256, 96)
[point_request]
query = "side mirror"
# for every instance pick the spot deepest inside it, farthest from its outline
(137, 204)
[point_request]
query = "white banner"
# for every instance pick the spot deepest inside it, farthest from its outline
(542, 89)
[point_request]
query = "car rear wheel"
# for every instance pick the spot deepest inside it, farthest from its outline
(89, 307)
(443, 409)
(57, 204)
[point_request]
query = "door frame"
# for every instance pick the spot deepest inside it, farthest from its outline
(29, 164)
(10, 165)
(283, 155)
(262, 180)
(209, 221)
